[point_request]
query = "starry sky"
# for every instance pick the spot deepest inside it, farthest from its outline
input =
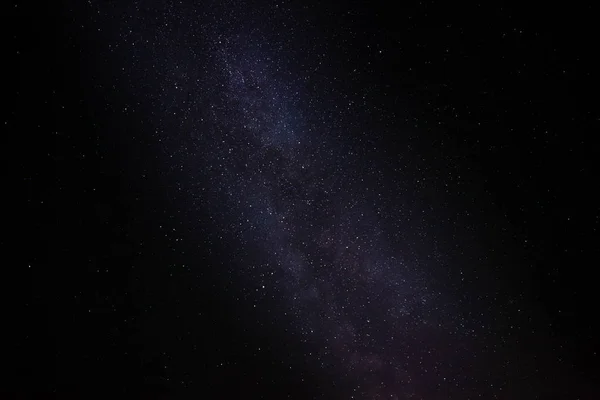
(304, 200)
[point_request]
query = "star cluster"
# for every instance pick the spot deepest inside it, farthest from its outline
(339, 250)
(323, 235)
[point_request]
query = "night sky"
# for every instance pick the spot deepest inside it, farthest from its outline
(301, 200)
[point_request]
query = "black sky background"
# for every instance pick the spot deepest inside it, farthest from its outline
(503, 95)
